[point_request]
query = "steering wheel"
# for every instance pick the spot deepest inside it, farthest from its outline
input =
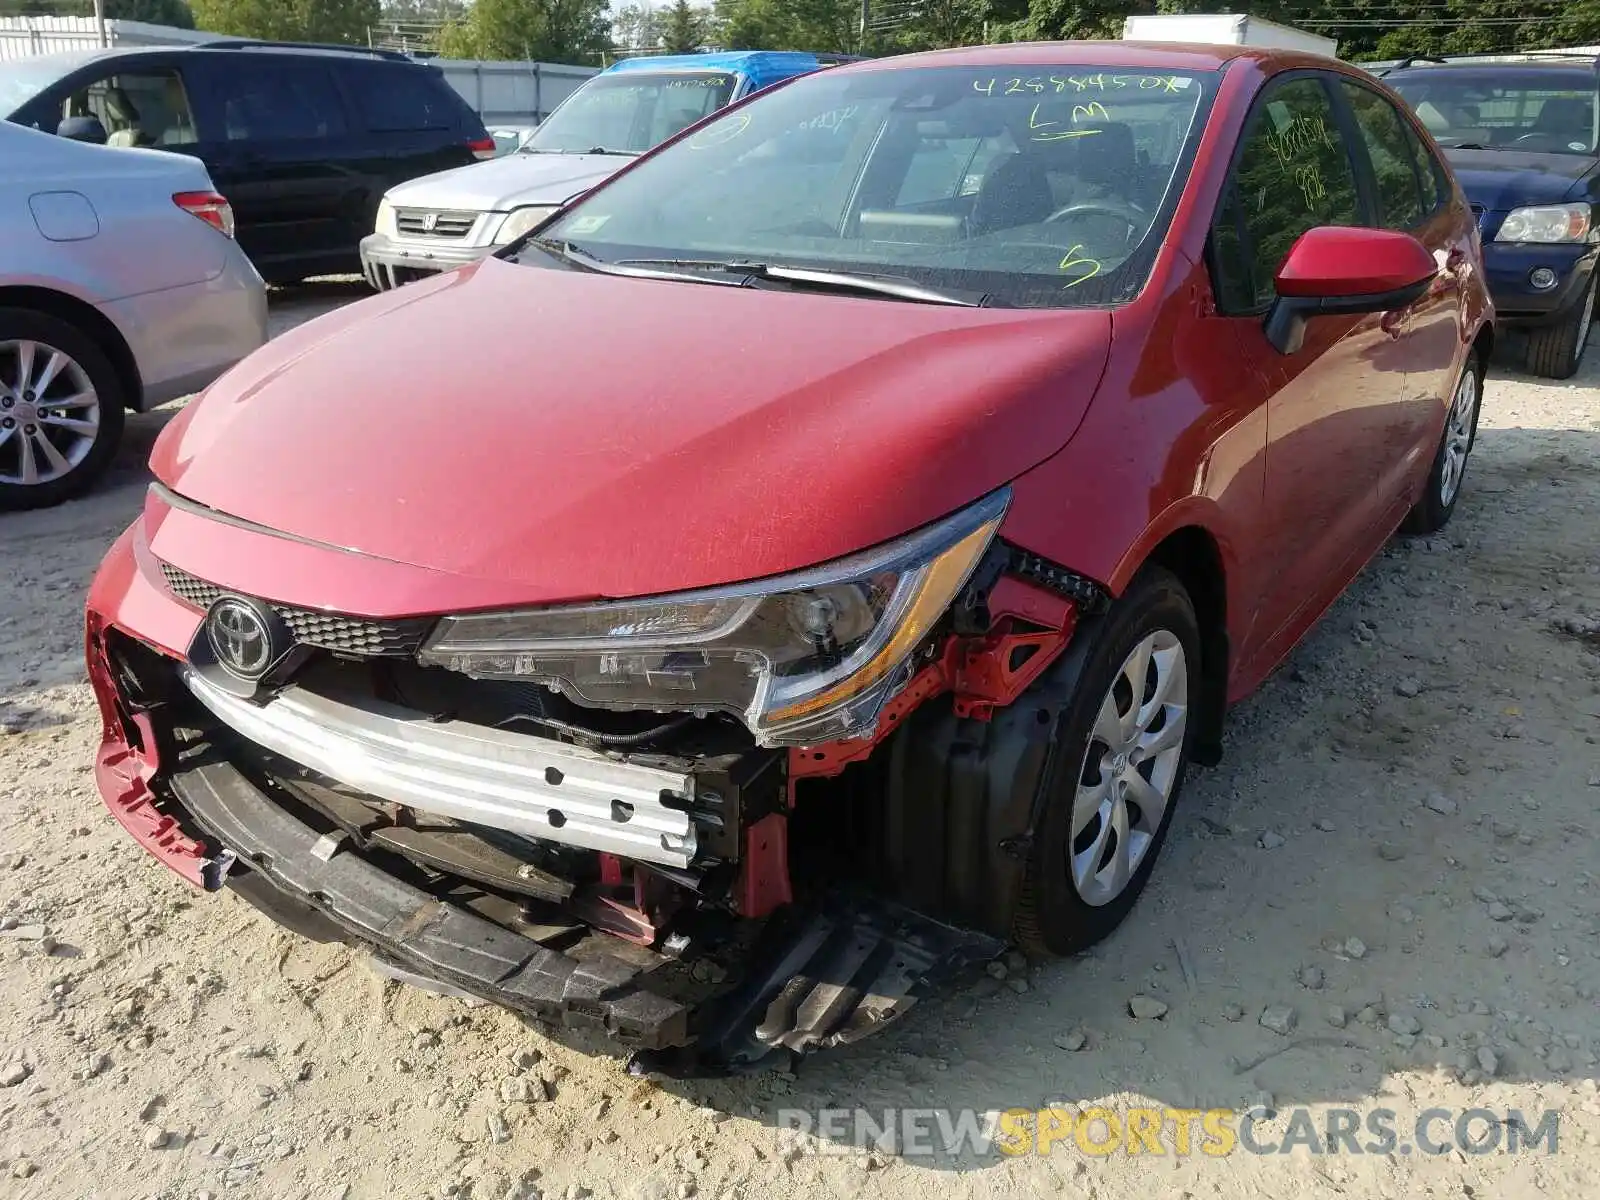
(1130, 214)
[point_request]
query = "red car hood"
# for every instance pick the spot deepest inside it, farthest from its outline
(578, 435)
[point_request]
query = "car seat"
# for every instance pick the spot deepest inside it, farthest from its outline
(1108, 165)
(1567, 118)
(1015, 191)
(122, 111)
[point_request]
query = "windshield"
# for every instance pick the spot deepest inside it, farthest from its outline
(1523, 110)
(631, 111)
(1042, 185)
(24, 78)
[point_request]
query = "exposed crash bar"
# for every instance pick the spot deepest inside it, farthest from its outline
(527, 785)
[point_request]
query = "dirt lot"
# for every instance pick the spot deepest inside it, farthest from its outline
(1399, 848)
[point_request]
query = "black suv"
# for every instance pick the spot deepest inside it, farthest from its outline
(302, 140)
(1523, 134)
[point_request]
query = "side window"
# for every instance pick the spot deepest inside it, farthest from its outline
(1394, 166)
(1435, 180)
(400, 100)
(137, 108)
(1293, 173)
(272, 103)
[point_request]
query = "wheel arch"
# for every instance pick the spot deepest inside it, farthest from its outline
(1194, 555)
(94, 324)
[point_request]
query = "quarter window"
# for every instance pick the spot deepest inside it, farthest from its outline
(1394, 165)
(1293, 173)
(137, 108)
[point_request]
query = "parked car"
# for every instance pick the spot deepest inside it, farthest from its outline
(909, 467)
(303, 140)
(442, 221)
(1522, 135)
(510, 138)
(120, 288)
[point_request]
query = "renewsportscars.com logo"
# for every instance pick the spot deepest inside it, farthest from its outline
(1099, 1131)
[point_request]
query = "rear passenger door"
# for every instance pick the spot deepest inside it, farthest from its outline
(274, 126)
(1411, 192)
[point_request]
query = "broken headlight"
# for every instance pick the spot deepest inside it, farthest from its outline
(801, 659)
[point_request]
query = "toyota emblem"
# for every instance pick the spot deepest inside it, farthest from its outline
(241, 636)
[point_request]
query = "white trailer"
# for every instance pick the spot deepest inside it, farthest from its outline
(1226, 29)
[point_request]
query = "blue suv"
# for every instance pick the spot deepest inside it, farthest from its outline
(1522, 133)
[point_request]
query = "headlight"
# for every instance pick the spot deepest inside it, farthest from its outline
(520, 220)
(801, 659)
(385, 223)
(1547, 223)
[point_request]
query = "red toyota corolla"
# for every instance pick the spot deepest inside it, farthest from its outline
(805, 564)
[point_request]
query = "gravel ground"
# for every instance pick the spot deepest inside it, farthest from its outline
(1385, 897)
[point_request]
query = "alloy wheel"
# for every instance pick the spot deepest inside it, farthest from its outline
(49, 413)
(1130, 768)
(1458, 436)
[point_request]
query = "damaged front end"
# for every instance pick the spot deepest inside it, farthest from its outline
(726, 828)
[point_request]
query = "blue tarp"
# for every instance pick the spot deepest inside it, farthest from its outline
(761, 67)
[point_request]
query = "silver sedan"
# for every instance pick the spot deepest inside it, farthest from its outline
(121, 288)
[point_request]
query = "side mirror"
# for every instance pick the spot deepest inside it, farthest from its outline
(82, 129)
(1337, 269)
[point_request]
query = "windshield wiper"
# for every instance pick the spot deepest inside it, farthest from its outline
(881, 285)
(631, 268)
(603, 150)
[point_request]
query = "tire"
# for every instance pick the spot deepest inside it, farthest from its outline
(1057, 914)
(1432, 513)
(83, 390)
(1555, 351)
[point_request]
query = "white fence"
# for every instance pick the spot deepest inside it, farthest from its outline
(502, 92)
(512, 92)
(23, 37)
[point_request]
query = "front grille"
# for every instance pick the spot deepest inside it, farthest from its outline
(327, 631)
(414, 222)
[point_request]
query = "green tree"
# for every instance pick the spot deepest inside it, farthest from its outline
(637, 27)
(684, 29)
(822, 25)
(175, 13)
(345, 21)
(570, 31)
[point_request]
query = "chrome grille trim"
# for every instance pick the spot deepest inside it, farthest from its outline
(413, 222)
(364, 636)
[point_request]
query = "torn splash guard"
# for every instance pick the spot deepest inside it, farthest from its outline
(821, 977)
(824, 977)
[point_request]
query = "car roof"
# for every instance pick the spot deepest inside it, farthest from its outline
(1562, 69)
(723, 60)
(1178, 56)
(71, 60)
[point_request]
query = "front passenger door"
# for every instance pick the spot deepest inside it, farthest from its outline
(1329, 402)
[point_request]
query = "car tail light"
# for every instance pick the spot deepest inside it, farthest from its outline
(481, 147)
(211, 208)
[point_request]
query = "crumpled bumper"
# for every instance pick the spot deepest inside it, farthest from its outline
(413, 930)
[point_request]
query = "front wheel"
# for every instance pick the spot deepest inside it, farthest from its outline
(1555, 351)
(1120, 751)
(1431, 513)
